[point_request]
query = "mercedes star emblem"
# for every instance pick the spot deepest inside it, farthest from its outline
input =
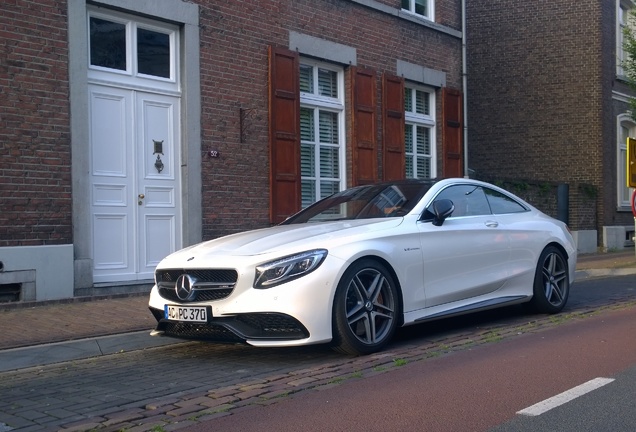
(185, 287)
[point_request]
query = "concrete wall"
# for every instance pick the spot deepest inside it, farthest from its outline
(45, 272)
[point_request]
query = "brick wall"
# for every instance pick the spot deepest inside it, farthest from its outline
(234, 40)
(35, 174)
(538, 90)
(35, 167)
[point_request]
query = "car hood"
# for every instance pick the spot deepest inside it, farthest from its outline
(291, 238)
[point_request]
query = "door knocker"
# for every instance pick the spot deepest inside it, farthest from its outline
(159, 150)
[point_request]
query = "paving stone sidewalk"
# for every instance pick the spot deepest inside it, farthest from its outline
(38, 324)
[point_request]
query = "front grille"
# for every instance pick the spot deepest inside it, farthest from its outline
(201, 294)
(211, 284)
(212, 276)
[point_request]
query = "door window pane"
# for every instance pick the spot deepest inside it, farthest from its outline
(501, 204)
(469, 200)
(107, 44)
(153, 53)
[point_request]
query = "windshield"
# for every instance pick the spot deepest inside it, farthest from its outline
(364, 202)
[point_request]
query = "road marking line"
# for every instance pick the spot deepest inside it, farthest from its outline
(566, 396)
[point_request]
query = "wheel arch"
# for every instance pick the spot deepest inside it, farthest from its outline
(560, 248)
(391, 270)
(544, 286)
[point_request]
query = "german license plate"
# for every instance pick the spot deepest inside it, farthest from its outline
(185, 313)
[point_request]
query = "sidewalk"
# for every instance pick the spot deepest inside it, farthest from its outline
(35, 334)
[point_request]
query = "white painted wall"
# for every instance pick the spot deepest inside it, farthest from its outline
(53, 266)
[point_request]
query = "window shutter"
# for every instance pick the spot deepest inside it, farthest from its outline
(452, 143)
(364, 145)
(284, 133)
(393, 156)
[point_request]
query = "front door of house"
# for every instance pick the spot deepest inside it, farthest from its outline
(135, 181)
(134, 139)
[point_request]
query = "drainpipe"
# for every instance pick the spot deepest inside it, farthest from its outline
(465, 89)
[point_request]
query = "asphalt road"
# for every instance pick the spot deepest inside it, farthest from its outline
(480, 389)
(190, 384)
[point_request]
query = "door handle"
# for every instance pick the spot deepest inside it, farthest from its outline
(492, 224)
(141, 197)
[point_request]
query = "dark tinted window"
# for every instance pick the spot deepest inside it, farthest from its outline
(363, 202)
(502, 204)
(469, 200)
(107, 44)
(153, 53)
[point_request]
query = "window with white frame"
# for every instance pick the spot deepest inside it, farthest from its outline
(626, 128)
(422, 8)
(321, 130)
(132, 47)
(419, 132)
(621, 20)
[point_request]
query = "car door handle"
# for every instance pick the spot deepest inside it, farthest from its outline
(492, 224)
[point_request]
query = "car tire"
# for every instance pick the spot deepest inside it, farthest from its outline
(551, 281)
(366, 309)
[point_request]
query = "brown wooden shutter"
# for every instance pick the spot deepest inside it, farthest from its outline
(364, 146)
(393, 155)
(284, 133)
(452, 125)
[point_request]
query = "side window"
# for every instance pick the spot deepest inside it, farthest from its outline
(502, 204)
(469, 200)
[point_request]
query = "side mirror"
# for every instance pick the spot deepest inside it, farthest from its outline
(441, 210)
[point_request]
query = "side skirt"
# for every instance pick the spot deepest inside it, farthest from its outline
(474, 307)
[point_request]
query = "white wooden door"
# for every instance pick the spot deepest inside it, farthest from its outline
(135, 208)
(158, 185)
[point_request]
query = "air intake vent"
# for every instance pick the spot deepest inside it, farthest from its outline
(10, 292)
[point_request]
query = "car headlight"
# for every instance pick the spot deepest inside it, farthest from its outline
(288, 268)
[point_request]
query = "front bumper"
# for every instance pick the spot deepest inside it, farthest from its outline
(294, 313)
(238, 328)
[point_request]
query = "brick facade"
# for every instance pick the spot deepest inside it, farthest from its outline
(234, 44)
(540, 83)
(36, 176)
(45, 187)
(35, 172)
